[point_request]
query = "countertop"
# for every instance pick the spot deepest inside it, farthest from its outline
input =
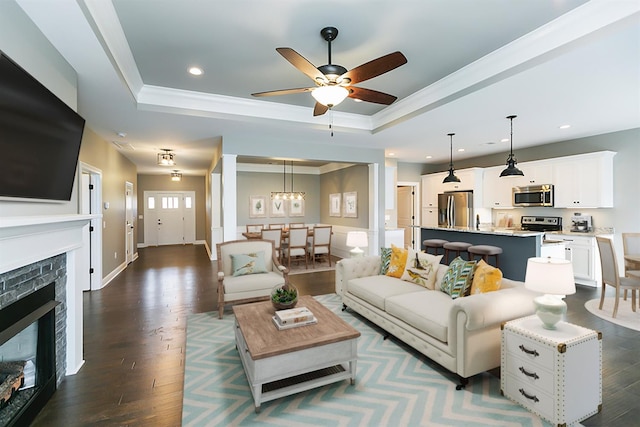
(490, 230)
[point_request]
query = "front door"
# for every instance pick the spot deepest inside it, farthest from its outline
(169, 218)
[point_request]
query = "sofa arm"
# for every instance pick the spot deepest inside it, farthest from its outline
(352, 268)
(493, 308)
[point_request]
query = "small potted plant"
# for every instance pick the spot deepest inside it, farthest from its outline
(284, 296)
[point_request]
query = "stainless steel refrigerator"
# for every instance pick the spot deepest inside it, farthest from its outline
(455, 209)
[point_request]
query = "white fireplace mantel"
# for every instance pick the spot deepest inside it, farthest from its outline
(28, 239)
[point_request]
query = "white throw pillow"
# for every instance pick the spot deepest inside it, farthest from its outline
(421, 268)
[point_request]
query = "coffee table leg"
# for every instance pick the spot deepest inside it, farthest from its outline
(257, 396)
(352, 369)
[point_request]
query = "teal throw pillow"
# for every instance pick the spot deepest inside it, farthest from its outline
(252, 263)
(458, 278)
(385, 259)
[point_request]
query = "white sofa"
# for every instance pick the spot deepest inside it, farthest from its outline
(462, 334)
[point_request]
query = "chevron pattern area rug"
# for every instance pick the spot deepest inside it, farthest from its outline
(395, 386)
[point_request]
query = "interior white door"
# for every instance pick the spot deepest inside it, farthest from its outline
(129, 222)
(406, 216)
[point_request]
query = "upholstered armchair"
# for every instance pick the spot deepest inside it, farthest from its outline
(247, 271)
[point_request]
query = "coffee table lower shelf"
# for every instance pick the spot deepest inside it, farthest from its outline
(289, 373)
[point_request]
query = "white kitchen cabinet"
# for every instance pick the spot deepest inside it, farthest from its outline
(429, 217)
(432, 186)
(536, 173)
(390, 187)
(496, 190)
(582, 251)
(584, 181)
(556, 374)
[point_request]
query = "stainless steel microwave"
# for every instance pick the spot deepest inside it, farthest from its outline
(533, 195)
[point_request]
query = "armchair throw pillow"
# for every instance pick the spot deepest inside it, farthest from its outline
(243, 264)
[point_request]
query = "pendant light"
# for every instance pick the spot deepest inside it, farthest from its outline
(284, 194)
(511, 169)
(451, 177)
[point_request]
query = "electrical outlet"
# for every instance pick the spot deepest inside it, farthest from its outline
(115, 255)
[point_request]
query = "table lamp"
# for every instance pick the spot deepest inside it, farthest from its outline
(552, 277)
(355, 239)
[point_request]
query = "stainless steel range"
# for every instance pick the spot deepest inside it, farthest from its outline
(549, 247)
(541, 223)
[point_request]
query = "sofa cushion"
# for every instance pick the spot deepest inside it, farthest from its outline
(251, 282)
(426, 311)
(251, 263)
(385, 259)
(486, 278)
(426, 274)
(375, 289)
(457, 280)
(398, 261)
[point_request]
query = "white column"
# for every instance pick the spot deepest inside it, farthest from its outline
(229, 197)
(374, 209)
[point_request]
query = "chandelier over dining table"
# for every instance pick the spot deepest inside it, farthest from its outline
(284, 194)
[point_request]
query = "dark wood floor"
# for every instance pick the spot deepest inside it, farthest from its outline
(134, 345)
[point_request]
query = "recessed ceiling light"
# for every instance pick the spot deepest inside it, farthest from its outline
(504, 140)
(460, 150)
(195, 71)
(565, 126)
(429, 157)
(392, 154)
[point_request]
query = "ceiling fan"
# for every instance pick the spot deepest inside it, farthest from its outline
(334, 82)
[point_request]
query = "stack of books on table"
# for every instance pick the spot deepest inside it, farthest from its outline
(294, 317)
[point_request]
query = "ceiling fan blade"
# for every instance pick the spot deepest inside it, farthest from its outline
(374, 68)
(370, 95)
(302, 64)
(319, 109)
(283, 91)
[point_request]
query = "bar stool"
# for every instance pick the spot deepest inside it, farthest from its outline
(435, 244)
(485, 251)
(456, 247)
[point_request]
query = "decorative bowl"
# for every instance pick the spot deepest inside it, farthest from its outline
(284, 296)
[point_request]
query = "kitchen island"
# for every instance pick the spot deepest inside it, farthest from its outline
(517, 246)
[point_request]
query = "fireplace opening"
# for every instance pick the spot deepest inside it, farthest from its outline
(27, 356)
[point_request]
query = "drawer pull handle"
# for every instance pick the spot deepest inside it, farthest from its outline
(524, 393)
(529, 374)
(531, 352)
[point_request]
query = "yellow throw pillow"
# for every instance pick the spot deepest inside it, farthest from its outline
(398, 261)
(486, 279)
(421, 268)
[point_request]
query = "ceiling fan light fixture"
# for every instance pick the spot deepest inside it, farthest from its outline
(451, 177)
(511, 169)
(330, 96)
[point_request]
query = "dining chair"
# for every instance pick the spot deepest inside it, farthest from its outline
(275, 236)
(296, 225)
(611, 277)
(320, 243)
(254, 228)
(276, 226)
(297, 246)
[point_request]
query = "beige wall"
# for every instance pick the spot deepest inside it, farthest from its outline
(116, 170)
(164, 183)
(354, 178)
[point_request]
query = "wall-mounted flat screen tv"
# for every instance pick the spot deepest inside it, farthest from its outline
(40, 138)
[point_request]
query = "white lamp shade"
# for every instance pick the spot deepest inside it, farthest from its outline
(357, 239)
(330, 95)
(553, 276)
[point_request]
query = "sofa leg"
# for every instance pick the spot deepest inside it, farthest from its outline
(385, 335)
(344, 307)
(463, 383)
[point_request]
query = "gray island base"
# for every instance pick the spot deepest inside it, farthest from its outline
(517, 246)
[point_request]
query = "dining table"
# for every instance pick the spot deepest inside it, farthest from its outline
(285, 234)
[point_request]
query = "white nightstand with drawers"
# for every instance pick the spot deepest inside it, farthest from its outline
(556, 374)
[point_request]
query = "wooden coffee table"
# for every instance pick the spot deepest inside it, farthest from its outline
(281, 363)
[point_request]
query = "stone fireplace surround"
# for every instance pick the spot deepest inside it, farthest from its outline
(36, 241)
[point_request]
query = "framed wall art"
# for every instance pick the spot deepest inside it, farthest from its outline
(278, 208)
(335, 204)
(350, 201)
(257, 206)
(296, 207)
